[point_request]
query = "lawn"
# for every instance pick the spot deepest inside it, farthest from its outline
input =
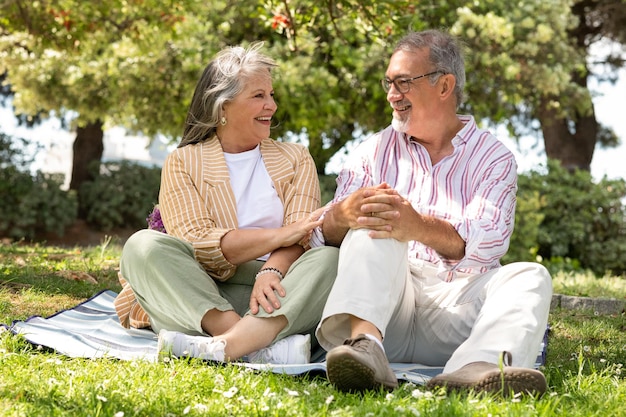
(584, 364)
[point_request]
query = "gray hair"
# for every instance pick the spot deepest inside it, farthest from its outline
(446, 56)
(222, 80)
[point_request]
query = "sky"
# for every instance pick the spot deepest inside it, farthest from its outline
(57, 154)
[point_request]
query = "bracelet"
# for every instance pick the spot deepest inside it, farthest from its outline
(269, 271)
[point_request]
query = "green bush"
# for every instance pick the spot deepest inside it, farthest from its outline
(570, 221)
(524, 244)
(31, 204)
(122, 195)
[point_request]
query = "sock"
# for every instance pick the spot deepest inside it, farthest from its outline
(370, 337)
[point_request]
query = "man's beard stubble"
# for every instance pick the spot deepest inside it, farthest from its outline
(401, 126)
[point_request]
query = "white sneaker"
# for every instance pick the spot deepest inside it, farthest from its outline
(183, 345)
(295, 349)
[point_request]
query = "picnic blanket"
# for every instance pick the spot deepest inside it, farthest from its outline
(92, 330)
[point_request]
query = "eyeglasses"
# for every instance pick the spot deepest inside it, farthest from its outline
(403, 85)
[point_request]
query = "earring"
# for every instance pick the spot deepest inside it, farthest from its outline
(223, 121)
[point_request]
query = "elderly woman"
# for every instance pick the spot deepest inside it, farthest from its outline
(232, 277)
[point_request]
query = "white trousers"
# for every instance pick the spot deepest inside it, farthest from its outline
(429, 321)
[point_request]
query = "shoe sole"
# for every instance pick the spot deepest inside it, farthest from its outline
(347, 374)
(515, 381)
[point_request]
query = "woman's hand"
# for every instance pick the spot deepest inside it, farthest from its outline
(264, 292)
(267, 287)
(300, 231)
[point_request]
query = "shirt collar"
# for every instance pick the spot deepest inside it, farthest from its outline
(464, 134)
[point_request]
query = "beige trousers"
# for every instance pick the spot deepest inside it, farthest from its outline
(429, 321)
(176, 292)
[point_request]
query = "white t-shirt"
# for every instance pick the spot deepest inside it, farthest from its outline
(258, 205)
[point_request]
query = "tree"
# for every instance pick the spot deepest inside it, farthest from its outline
(527, 66)
(118, 62)
(333, 55)
(135, 63)
(535, 55)
(597, 20)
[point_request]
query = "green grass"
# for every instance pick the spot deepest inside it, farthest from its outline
(584, 365)
(587, 285)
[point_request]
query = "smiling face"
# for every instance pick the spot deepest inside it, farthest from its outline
(414, 109)
(248, 115)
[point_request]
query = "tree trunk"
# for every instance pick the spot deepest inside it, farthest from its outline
(88, 148)
(570, 142)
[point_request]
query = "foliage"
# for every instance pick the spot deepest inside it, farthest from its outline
(570, 221)
(12, 152)
(121, 196)
(539, 55)
(135, 63)
(528, 217)
(31, 203)
(332, 57)
(525, 51)
(116, 60)
(584, 364)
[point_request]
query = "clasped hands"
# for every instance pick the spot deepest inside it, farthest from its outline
(381, 210)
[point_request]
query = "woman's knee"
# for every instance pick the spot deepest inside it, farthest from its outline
(149, 244)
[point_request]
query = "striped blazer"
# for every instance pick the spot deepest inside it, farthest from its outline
(198, 205)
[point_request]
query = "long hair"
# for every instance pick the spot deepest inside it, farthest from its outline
(446, 55)
(222, 80)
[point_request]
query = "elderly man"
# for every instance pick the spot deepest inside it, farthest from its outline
(423, 212)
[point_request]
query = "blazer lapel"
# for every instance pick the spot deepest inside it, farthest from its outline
(216, 186)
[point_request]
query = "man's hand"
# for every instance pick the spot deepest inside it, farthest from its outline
(345, 214)
(388, 215)
(352, 208)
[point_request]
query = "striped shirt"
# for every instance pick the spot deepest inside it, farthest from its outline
(473, 189)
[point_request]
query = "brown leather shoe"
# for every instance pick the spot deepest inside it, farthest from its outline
(358, 365)
(489, 377)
